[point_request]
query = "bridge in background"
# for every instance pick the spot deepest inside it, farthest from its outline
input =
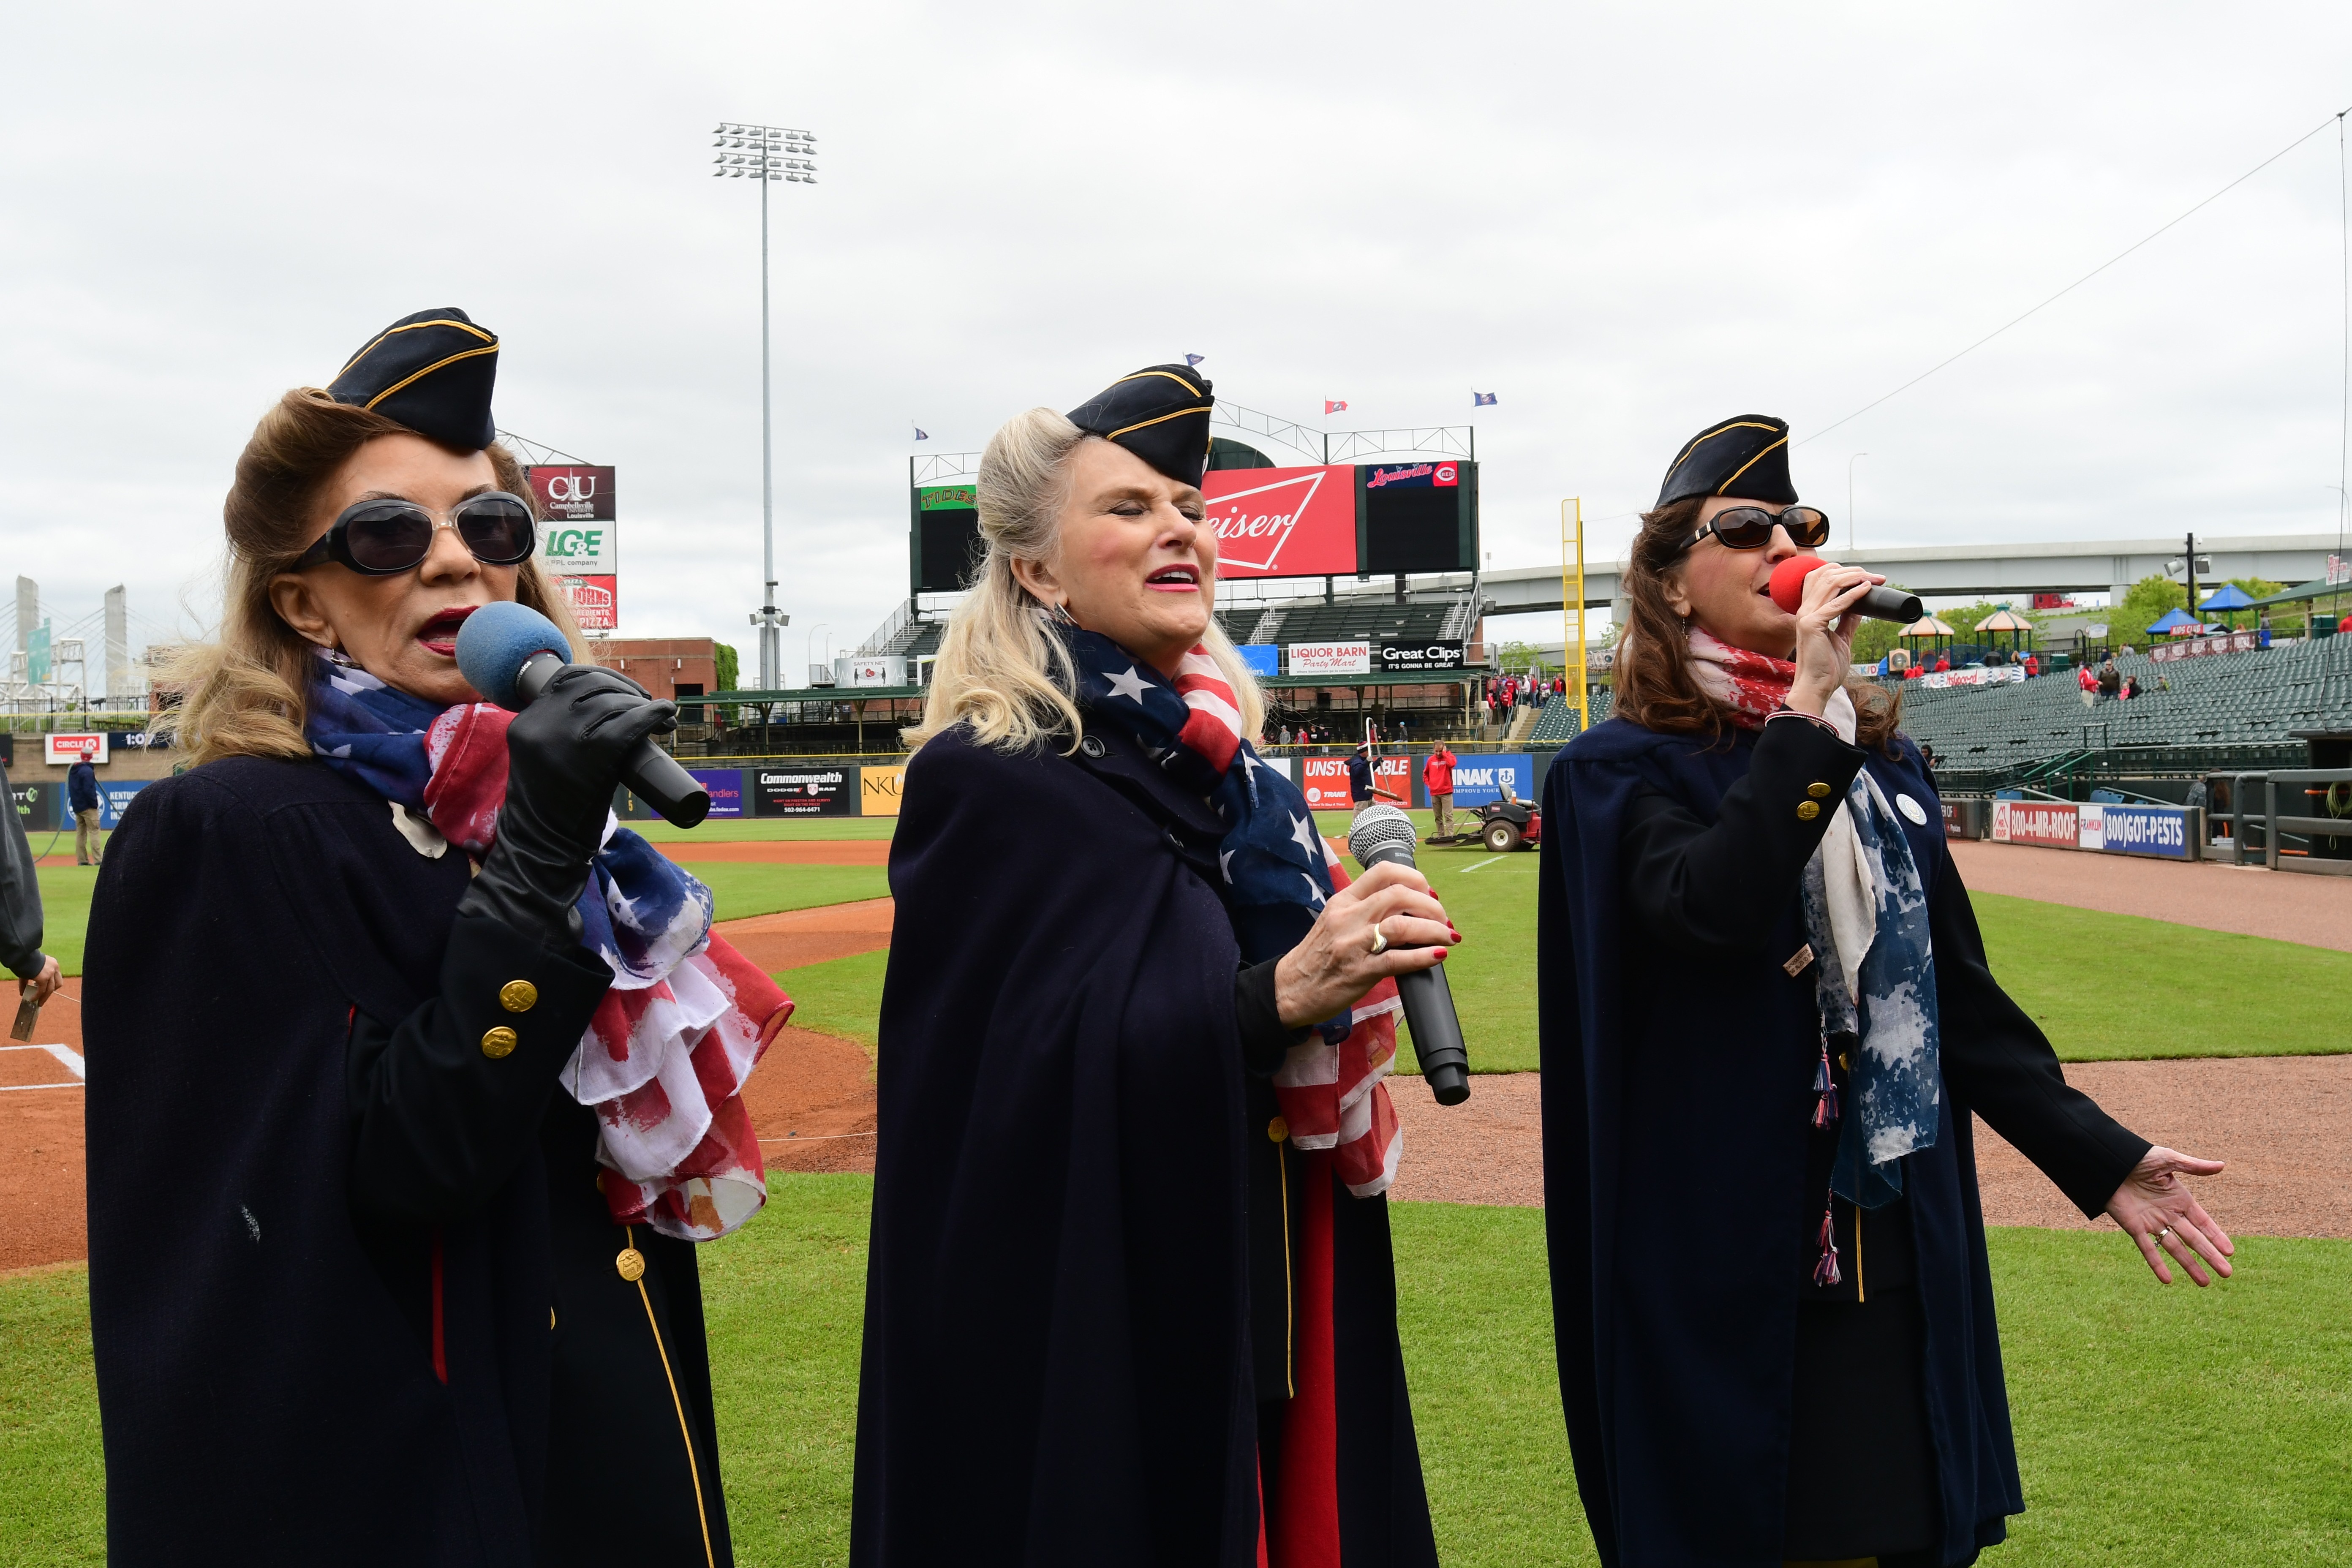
(1974, 571)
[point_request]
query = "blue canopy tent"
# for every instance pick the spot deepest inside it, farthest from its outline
(2228, 597)
(2175, 618)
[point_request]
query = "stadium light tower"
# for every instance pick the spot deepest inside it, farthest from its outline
(770, 155)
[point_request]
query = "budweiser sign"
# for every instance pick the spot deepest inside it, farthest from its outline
(1283, 523)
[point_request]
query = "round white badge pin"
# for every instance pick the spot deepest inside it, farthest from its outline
(1912, 809)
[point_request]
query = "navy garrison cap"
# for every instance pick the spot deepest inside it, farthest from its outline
(432, 372)
(1160, 414)
(1744, 455)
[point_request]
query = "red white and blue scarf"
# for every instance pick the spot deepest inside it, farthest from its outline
(665, 1058)
(1279, 872)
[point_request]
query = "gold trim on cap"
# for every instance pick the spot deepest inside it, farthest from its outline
(1725, 487)
(1711, 435)
(1163, 374)
(428, 369)
(1162, 419)
(412, 326)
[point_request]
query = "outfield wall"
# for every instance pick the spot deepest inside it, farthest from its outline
(870, 785)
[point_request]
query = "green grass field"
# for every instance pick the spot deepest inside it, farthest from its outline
(2104, 986)
(2153, 1424)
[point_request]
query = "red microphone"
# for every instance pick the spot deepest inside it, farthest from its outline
(1880, 604)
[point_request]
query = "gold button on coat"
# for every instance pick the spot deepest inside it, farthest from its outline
(632, 1264)
(1806, 811)
(499, 1043)
(518, 995)
(1817, 789)
(1277, 1130)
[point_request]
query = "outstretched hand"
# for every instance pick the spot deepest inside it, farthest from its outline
(2160, 1215)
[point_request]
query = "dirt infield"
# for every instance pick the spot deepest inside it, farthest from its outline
(811, 1100)
(2289, 906)
(796, 937)
(2283, 1123)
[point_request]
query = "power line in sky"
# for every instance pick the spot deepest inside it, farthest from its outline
(2336, 120)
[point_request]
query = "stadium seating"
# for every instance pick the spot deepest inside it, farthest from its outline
(2218, 704)
(1555, 725)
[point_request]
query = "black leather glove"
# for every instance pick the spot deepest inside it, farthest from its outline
(564, 760)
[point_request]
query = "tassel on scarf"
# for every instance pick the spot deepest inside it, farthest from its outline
(1825, 1272)
(1825, 1109)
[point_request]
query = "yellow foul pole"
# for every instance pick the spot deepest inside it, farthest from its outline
(1572, 608)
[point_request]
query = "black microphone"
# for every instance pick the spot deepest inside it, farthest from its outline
(1383, 833)
(1880, 604)
(508, 652)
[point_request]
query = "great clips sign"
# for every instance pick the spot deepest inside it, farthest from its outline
(1283, 523)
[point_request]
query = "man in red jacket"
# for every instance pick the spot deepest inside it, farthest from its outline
(1437, 777)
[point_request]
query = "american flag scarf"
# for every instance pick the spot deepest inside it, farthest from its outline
(1279, 872)
(665, 1058)
(1874, 979)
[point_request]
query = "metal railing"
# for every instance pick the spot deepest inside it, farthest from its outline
(2280, 825)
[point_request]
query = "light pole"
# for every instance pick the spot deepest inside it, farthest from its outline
(1849, 496)
(770, 154)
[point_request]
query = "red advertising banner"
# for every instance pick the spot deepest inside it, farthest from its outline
(2201, 648)
(1327, 780)
(1283, 523)
(572, 493)
(595, 603)
(2035, 822)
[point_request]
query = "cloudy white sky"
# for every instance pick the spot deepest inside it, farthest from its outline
(1626, 220)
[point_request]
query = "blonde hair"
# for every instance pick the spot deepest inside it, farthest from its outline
(1000, 670)
(247, 695)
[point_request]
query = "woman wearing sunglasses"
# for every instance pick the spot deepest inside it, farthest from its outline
(412, 1082)
(1767, 1020)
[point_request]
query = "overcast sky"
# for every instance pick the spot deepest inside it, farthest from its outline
(1626, 221)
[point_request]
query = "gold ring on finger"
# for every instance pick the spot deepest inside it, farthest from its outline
(1379, 939)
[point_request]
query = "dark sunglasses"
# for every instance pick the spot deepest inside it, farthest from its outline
(1750, 526)
(387, 535)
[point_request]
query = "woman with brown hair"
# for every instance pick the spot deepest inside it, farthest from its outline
(1767, 1020)
(412, 1080)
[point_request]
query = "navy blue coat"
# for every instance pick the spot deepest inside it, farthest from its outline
(353, 1284)
(1674, 1079)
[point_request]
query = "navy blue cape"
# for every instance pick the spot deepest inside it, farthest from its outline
(1676, 1099)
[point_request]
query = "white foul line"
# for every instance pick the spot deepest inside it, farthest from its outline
(67, 1056)
(1482, 865)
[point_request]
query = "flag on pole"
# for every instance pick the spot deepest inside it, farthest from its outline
(1330, 406)
(1194, 359)
(1481, 399)
(921, 434)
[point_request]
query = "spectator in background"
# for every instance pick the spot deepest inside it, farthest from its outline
(1437, 778)
(2111, 679)
(81, 798)
(1360, 777)
(1943, 663)
(2032, 665)
(20, 909)
(2089, 682)
(1285, 734)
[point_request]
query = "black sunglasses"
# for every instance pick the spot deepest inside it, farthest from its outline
(388, 535)
(1750, 526)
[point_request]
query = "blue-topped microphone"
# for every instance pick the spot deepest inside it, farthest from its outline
(508, 652)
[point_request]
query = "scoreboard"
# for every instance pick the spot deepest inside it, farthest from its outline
(1339, 519)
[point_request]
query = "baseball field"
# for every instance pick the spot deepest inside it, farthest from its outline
(2204, 1005)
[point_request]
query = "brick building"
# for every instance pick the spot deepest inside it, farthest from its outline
(680, 668)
